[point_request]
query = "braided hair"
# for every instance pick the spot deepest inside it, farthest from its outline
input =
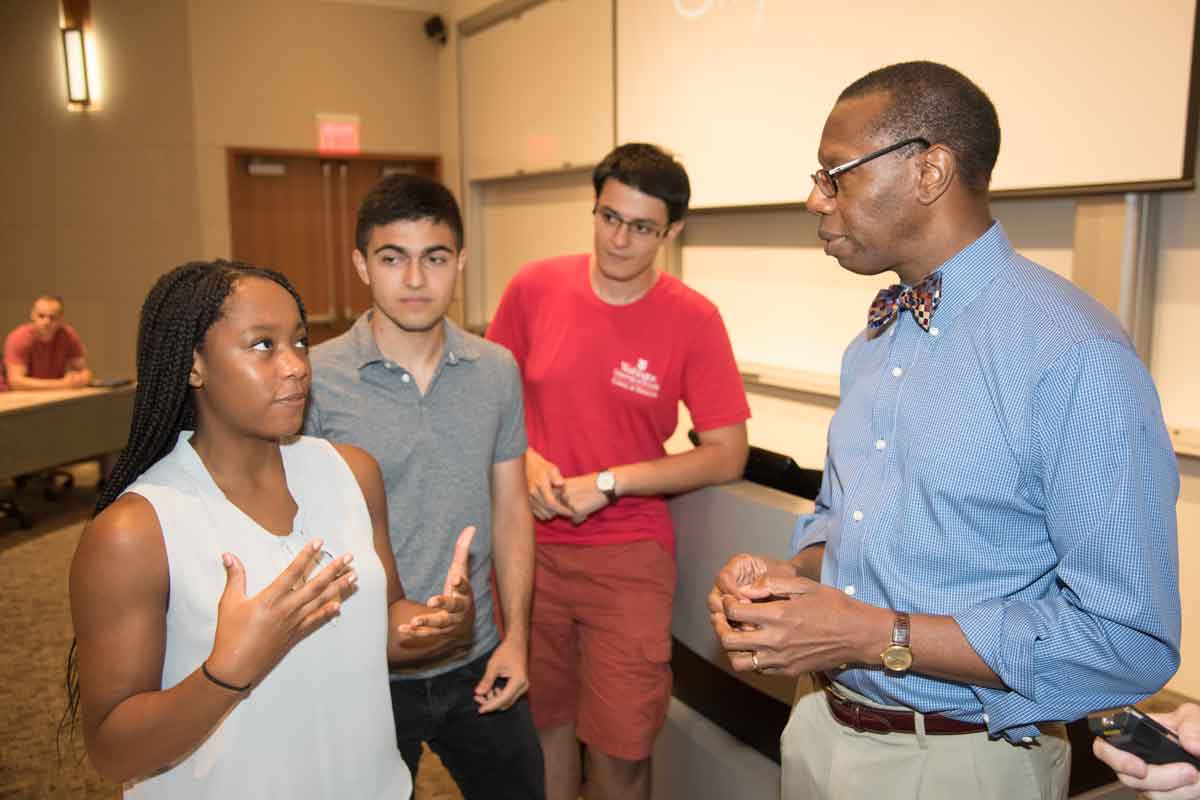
(176, 316)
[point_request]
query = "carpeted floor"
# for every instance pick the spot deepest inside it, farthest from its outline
(35, 633)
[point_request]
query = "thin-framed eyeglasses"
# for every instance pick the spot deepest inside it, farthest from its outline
(826, 179)
(638, 228)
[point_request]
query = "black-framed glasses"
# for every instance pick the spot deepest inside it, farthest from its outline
(638, 228)
(826, 179)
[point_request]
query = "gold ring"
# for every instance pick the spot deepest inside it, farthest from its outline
(754, 661)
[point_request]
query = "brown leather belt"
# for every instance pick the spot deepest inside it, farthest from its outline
(882, 720)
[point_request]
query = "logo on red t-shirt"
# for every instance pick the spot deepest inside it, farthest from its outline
(636, 378)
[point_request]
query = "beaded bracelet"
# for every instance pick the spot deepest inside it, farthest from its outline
(223, 684)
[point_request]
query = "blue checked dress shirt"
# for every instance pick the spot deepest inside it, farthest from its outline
(1010, 468)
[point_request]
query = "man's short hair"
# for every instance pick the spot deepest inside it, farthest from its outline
(53, 298)
(941, 105)
(406, 197)
(649, 170)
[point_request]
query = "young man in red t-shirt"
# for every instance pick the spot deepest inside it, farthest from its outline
(45, 353)
(608, 346)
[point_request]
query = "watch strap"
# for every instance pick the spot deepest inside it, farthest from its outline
(901, 629)
(611, 492)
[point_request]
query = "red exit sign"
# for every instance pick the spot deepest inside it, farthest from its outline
(338, 133)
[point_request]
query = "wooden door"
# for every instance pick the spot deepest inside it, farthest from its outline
(280, 216)
(295, 213)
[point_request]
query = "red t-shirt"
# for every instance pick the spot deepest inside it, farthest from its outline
(603, 383)
(46, 360)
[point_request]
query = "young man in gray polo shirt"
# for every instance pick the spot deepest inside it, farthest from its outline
(441, 411)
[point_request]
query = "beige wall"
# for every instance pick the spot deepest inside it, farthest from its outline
(262, 70)
(94, 206)
(449, 131)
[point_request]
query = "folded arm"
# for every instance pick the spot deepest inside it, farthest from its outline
(1108, 633)
(76, 376)
(719, 457)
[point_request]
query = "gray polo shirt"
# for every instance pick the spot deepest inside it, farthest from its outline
(436, 451)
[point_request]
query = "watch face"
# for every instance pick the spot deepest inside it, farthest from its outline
(606, 481)
(897, 658)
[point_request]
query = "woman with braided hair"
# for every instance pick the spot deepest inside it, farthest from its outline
(235, 597)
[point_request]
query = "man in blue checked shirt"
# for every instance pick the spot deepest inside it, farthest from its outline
(995, 535)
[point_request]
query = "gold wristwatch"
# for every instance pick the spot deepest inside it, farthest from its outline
(897, 656)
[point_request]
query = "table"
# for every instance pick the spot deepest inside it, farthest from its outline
(42, 429)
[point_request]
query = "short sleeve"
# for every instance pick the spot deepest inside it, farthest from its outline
(712, 385)
(74, 348)
(510, 437)
(16, 347)
(507, 327)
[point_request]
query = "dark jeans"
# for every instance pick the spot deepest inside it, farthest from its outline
(495, 755)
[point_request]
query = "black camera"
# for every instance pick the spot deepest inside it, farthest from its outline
(1133, 731)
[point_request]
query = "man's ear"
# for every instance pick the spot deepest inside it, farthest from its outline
(673, 231)
(462, 260)
(938, 168)
(360, 266)
(196, 373)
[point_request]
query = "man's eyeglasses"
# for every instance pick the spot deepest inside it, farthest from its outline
(826, 179)
(638, 228)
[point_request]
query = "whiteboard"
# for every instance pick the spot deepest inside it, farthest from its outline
(537, 90)
(1088, 91)
(1177, 311)
(788, 305)
(528, 219)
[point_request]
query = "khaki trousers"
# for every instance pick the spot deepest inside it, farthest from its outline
(825, 760)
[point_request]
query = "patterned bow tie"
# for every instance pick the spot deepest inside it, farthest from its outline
(921, 300)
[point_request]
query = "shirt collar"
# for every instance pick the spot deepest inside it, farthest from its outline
(365, 351)
(967, 272)
(459, 346)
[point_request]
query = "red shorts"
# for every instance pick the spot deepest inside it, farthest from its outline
(600, 655)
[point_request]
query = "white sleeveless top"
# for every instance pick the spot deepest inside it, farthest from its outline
(319, 725)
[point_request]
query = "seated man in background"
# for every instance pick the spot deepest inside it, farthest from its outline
(46, 353)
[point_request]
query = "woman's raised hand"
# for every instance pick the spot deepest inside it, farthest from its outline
(254, 633)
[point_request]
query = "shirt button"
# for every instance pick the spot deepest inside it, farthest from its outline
(389, 365)
(880, 444)
(405, 378)
(858, 515)
(850, 590)
(985, 719)
(892, 332)
(897, 372)
(1027, 739)
(934, 331)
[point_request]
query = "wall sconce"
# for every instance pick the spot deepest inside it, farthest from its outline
(76, 65)
(79, 54)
